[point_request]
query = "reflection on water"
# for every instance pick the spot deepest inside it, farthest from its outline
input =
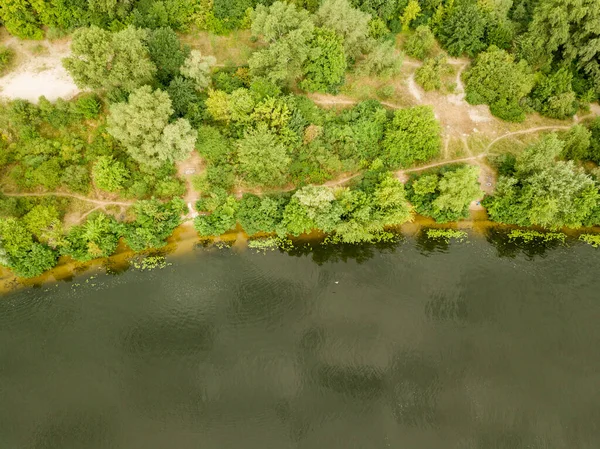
(485, 344)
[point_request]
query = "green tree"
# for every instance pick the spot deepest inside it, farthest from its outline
(110, 174)
(288, 31)
(543, 191)
(325, 65)
(446, 196)
(45, 224)
(142, 126)
(259, 214)
(182, 92)
(411, 12)
(421, 43)
(463, 30)
(167, 54)
(457, 189)
(553, 95)
(198, 68)
(263, 159)
(567, 31)
(577, 143)
(412, 136)
(21, 253)
(383, 60)
(495, 79)
(101, 59)
(154, 222)
(219, 221)
(350, 23)
(98, 237)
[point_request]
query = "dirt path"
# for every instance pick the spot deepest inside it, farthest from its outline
(524, 131)
(72, 195)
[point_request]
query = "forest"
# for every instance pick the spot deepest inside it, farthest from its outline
(274, 160)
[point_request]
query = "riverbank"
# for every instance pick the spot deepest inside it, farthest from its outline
(185, 240)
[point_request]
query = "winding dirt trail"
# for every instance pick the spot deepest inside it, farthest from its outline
(72, 195)
(524, 131)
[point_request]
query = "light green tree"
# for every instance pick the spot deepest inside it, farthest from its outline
(325, 65)
(198, 68)
(412, 135)
(429, 75)
(101, 59)
(457, 188)
(288, 30)
(109, 174)
(383, 60)
(421, 43)
(411, 12)
(142, 126)
(263, 159)
(350, 23)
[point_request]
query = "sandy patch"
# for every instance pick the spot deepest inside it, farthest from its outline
(414, 89)
(39, 71)
(192, 166)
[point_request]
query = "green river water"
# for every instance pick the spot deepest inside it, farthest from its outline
(475, 345)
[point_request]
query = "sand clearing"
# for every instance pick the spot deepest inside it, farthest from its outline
(38, 72)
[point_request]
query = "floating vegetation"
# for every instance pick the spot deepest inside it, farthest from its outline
(529, 236)
(265, 244)
(446, 234)
(150, 263)
(591, 239)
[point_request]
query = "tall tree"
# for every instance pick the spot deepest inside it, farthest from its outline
(325, 66)
(263, 159)
(568, 30)
(142, 126)
(288, 30)
(350, 23)
(101, 59)
(495, 79)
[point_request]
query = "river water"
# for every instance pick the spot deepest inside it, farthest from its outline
(475, 345)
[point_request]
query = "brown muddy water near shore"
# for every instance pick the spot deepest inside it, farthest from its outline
(185, 239)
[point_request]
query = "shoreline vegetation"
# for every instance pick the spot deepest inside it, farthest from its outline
(431, 236)
(288, 119)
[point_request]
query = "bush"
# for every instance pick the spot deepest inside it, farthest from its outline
(7, 55)
(421, 43)
(381, 61)
(88, 106)
(429, 75)
(110, 174)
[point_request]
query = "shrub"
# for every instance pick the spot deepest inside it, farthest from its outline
(421, 43)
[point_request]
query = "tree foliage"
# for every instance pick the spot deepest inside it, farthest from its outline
(104, 60)
(542, 191)
(325, 66)
(495, 79)
(569, 31)
(262, 157)
(154, 222)
(412, 136)
(198, 68)
(421, 43)
(142, 126)
(350, 23)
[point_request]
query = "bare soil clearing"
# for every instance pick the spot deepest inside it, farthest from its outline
(38, 71)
